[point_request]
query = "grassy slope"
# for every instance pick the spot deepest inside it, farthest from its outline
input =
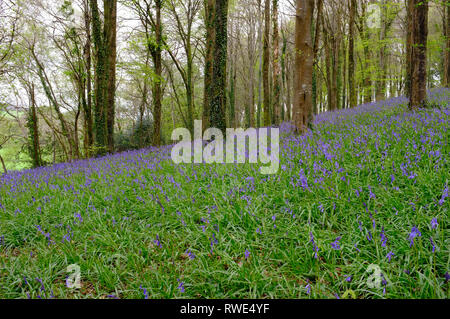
(134, 221)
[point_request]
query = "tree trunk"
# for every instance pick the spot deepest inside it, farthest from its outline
(419, 54)
(447, 44)
(266, 61)
(209, 58)
(3, 164)
(87, 98)
(409, 47)
(156, 52)
(100, 87)
(219, 79)
(316, 31)
(276, 65)
(110, 31)
(33, 131)
(351, 55)
(304, 59)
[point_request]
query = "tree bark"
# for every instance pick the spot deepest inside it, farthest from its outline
(304, 57)
(351, 55)
(33, 131)
(110, 31)
(447, 44)
(209, 59)
(3, 164)
(100, 87)
(219, 79)
(276, 65)
(156, 53)
(87, 98)
(266, 61)
(419, 36)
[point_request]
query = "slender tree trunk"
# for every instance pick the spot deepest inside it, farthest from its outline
(409, 47)
(447, 44)
(317, 28)
(366, 38)
(209, 58)
(266, 61)
(33, 131)
(351, 55)
(283, 77)
(250, 112)
(87, 98)
(419, 54)
(3, 164)
(276, 65)
(110, 31)
(156, 52)
(219, 79)
(304, 60)
(381, 77)
(100, 86)
(260, 64)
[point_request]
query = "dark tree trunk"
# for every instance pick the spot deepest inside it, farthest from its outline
(219, 79)
(266, 61)
(33, 131)
(276, 66)
(447, 44)
(100, 82)
(110, 31)
(87, 98)
(304, 60)
(209, 59)
(351, 55)
(156, 52)
(3, 165)
(419, 36)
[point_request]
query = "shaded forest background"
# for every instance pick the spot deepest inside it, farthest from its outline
(84, 78)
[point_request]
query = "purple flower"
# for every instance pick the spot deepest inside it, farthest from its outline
(447, 277)
(434, 223)
(157, 242)
(383, 238)
(144, 291)
(432, 244)
(348, 279)
(390, 255)
(335, 244)
(414, 233)
(247, 254)
(190, 254)
(315, 248)
(444, 196)
(308, 289)
(180, 286)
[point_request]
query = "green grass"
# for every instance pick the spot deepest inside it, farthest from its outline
(114, 243)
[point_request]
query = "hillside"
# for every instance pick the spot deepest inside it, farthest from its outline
(359, 206)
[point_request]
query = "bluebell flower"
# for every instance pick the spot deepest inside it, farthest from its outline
(414, 233)
(335, 244)
(247, 254)
(434, 223)
(390, 255)
(181, 286)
